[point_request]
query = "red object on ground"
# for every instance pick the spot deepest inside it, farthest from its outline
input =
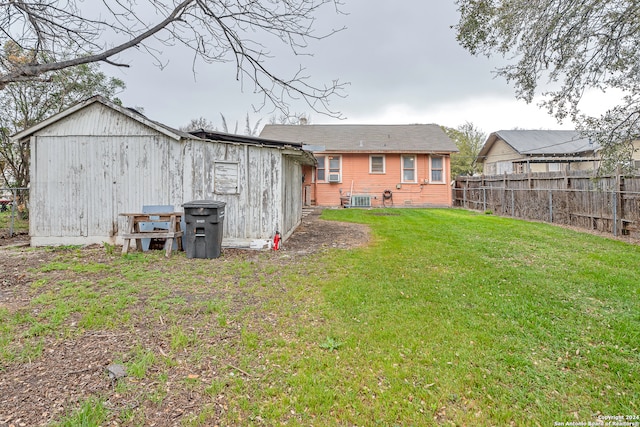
(276, 241)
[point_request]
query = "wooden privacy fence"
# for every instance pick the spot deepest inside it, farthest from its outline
(606, 203)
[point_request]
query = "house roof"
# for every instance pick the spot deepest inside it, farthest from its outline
(364, 138)
(541, 142)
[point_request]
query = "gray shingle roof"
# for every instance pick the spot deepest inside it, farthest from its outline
(544, 142)
(364, 138)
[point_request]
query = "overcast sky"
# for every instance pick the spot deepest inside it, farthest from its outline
(401, 59)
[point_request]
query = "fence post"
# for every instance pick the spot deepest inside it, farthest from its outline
(504, 194)
(513, 203)
(550, 206)
(614, 202)
(464, 196)
(619, 202)
(484, 198)
(14, 195)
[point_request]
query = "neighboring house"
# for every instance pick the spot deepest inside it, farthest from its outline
(523, 151)
(96, 160)
(373, 165)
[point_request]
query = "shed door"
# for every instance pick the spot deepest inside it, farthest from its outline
(60, 187)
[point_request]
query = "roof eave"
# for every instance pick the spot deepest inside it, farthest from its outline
(338, 151)
(83, 104)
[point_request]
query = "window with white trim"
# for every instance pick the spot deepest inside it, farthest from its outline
(409, 168)
(320, 169)
(329, 168)
(376, 164)
(437, 169)
(502, 167)
(557, 167)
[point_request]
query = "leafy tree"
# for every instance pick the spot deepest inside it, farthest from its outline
(27, 103)
(215, 31)
(567, 47)
(469, 141)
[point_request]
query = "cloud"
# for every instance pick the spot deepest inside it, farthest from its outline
(401, 59)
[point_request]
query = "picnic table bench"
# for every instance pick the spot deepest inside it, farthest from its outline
(133, 231)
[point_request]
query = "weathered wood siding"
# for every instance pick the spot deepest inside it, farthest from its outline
(576, 198)
(255, 211)
(292, 196)
(90, 167)
(86, 171)
(500, 157)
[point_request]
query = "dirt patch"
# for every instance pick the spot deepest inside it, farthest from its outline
(67, 370)
(315, 234)
(15, 239)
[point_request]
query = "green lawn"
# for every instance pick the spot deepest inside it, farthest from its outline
(447, 317)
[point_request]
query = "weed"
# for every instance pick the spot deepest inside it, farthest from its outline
(222, 321)
(331, 344)
(216, 387)
(140, 362)
(249, 339)
(109, 248)
(180, 339)
(92, 412)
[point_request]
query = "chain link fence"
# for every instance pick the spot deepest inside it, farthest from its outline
(14, 212)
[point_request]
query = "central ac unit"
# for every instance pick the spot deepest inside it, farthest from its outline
(363, 201)
(334, 177)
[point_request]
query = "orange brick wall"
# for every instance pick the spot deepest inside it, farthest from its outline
(355, 174)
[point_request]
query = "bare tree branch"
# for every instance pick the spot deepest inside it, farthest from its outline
(215, 30)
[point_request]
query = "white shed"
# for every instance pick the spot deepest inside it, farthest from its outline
(97, 159)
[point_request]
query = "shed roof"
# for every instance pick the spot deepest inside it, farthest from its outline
(133, 114)
(291, 147)
(364, 138)
(229, 137)
(541, 142)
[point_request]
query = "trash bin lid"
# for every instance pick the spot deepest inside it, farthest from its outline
(204, 204)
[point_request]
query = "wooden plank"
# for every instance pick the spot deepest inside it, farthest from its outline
(134, 232)
(153, 235)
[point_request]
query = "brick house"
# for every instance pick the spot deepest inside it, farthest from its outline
(373, 165)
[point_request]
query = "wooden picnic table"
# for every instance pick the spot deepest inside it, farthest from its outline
(133, 231)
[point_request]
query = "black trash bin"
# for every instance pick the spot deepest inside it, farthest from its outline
(203, 234)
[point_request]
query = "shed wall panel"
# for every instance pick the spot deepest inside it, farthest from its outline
(292, 195)
(97, 163)
(255, 212)
(88, 181)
